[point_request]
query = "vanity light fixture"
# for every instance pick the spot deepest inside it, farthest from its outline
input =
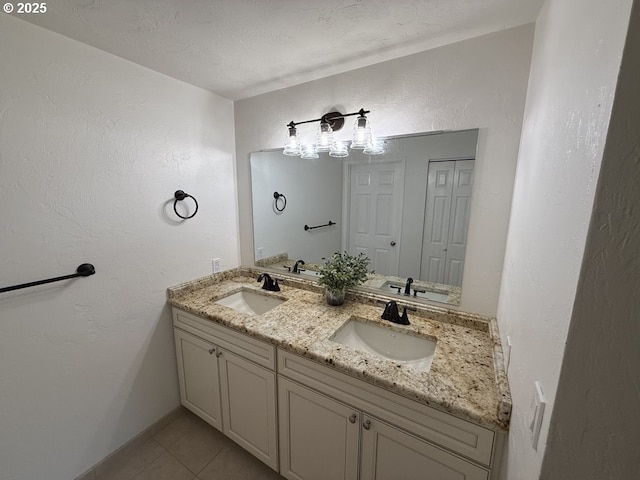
(325, 137)
(309, 151)
(376, 146)
(361, 133)
(292, 146)
(339, 149)
(326, 141)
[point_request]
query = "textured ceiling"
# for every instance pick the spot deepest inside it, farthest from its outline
(241, 48)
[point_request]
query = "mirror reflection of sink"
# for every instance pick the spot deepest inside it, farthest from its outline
(249, 302)
(303, 273)
(310, 273)
(404, 348)
(428, 295)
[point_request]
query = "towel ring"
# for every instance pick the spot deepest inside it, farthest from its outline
(180, 195)
(278, 196)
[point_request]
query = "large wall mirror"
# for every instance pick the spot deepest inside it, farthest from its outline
(407, 210)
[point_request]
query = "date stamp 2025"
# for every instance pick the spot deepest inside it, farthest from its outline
(25, 8)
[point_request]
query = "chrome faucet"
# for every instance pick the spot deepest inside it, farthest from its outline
(296, 267)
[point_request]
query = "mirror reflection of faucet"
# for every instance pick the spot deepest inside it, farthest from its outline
(407, 287)
(296, 267)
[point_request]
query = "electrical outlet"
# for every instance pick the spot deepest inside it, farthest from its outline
(260, 253)
(536, 412)
(215, 265)
(507, 354)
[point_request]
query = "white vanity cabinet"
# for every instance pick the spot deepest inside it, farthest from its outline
(228, 379)
(319, 436)
(389, 453)
(335, 426)
(198, 377)
(319, 423)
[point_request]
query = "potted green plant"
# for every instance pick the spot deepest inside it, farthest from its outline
(341, 271)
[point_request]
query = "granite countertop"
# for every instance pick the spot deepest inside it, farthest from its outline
(466, 378)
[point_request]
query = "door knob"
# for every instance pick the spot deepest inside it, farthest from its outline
(211, 350)
(367, 424)
(393, 243)
(353, 418)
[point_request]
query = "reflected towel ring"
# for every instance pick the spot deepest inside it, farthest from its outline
(180, 195)
(278, 196)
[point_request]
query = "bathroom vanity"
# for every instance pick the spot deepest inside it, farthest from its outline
(280, 374)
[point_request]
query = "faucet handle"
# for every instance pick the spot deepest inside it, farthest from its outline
(404, 318)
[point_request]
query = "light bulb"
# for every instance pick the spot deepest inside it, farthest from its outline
(361, 133)
(325, 138)
(292, 144)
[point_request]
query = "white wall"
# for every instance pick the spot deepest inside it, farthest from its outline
(576, 57)
(595, 430)
(313, 189)
(91, 148)
(479, 83)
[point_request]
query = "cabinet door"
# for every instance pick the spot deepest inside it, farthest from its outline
(198, 377)
(390, 454)
(318, 435)
(249, 405)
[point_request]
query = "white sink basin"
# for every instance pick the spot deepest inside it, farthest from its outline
(404, 348)
(249, 302)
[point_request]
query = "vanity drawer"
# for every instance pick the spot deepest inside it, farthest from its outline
(248, 347)
(460, 436)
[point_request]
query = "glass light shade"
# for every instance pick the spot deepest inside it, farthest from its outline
(339, 150)
(292, 145)
(361, 133)
(309, 151)
(376, 146)
(325, 138)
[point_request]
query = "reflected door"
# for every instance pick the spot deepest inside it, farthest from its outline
(448, 204)
(375, 214)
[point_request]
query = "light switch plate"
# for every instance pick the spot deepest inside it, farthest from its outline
(507, 354)
(536, 412)
(260, 253)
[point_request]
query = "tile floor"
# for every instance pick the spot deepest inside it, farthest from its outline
(186, 449)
